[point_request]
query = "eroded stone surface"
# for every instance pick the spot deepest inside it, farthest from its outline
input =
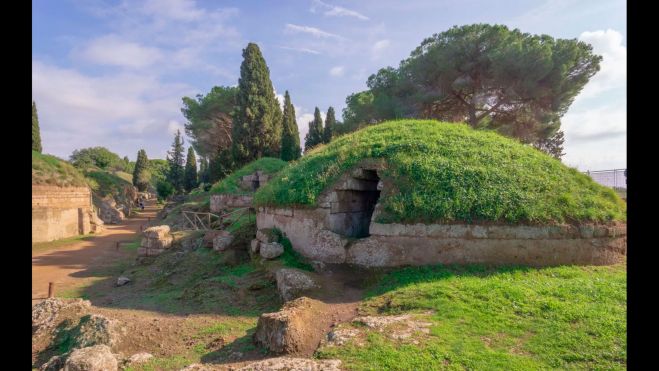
(293, 364)
(94, 358)
(271, 250)
(293, 283)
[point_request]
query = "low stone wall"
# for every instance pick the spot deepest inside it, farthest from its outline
(155, 241)
(392, 245)
(226, 201)
(61, 212)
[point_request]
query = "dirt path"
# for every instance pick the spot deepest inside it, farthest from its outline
(71, 265)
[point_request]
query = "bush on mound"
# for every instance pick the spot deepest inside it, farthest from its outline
(50, 170)
(231, 184)
(447, 172)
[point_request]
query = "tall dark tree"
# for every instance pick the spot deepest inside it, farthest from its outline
(36, 133)
(330, 124)
(488, 76)
(203, 170)
(552, 145)
(141, 175)
(191, 180)
(290, 139)
(176, 162)
(315, 134)
(220, 166)
(257, 122)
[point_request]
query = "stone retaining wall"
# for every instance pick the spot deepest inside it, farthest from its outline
(418, 244)
(226, 201)
(61, 212)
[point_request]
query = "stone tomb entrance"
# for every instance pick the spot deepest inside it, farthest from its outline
(353, 202)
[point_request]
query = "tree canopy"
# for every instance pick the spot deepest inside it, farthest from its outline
(176, 162)
(315, 134)
(330, 123)
(36, 132)
(290, 139)
(486, 75)
(191, 180)
(210, 120)
(257, 125)
(100, 157)
(141, 175)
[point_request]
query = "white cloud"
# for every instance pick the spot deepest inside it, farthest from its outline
(185, 10)
(302, 50)
(174, 126)
(337, 11)
(379, 47)
(613, 68)
(113, 50)
(337, 71)
(292, 28)
(123, 112)
(596, 125)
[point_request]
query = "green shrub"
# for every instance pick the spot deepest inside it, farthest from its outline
(164, 190)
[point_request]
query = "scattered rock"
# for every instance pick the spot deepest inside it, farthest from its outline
(198, 367)
(295, 329)
(266, 235)
(45, 313)
(340, 336)
(95, 330)
(292, 283)
(379, 322)
(271, 250)
(138, 358)
(293, 364)
(209, 236)
(222, 241)
(156, 240)
(122, 280)
(95, 358)
(56, 363)
(254, 247)
(216, 343)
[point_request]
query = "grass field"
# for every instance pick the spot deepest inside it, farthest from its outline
(498, 319)
(443, 172)
(50, 170)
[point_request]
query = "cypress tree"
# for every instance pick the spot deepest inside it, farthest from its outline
(290, 139)
(140, 172)
(176, 162)
(330, 122)
(36, 134)
(190, 170)
(257, 124)
(315, 134)
(203, 170)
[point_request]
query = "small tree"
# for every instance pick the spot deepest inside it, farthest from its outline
(176, 163)
(315, 134)
(36, 133)
(190, 171)
(330, 123)
(164, 189)
(141, 175)
(290, 139)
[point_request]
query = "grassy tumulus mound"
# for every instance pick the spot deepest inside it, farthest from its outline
(231, 184)
(447, 172)
(50, 170)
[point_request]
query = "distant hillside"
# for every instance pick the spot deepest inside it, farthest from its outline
(50, 170)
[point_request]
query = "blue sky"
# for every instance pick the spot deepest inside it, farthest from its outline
(112, 73)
